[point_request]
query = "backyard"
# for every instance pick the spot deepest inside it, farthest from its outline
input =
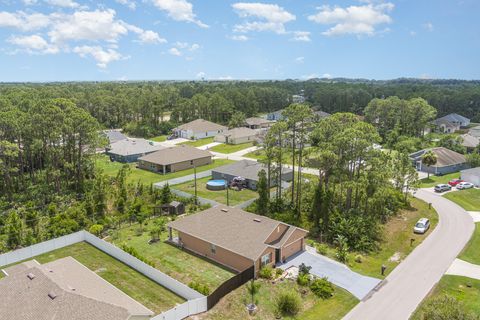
(468, 199)
(434, 180)
(235, 196)
(199, 142)
(231, 148)
(159, 138)
(171, 260)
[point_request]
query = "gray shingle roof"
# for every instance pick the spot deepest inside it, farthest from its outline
(175, 154)
(255, 121)
(475, 131)
(445, 157)
(133, 146)
(114, 135)
(200, 125)
(470, 141)
(245, 168)
(454, 117)
(242, 132)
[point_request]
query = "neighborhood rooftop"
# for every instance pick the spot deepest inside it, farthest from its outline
(248, 169)
(445, 157)
(237, 133)
(454, 117)
(175, 155)
(133, 146)
(200, 125)
(256, 121)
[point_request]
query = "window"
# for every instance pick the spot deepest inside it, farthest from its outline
(191, 162)
(266, 259)
(213, 249)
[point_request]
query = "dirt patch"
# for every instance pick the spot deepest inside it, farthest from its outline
(397, 256)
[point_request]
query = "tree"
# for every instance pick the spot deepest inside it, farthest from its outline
(253, 288)
(473, 159)
(165, 194)
(405, 176)
(262, 189)
(157, 228)
(237, 120)
(429, 159)
(14, 229)
(96, 229)
(446, 307)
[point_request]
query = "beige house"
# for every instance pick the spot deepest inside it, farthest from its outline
(175, 159)
(199, 129)
(258, 123)
(236, 136)
(237, 239)
(63, 289)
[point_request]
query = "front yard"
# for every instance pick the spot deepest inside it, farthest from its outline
(468, 199)
(231, 148)
(199, 142)
(434, 180)
(235, 196)
(471, 253)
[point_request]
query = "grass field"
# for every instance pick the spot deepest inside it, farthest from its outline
(170, 260)
(199, 143)
(434, 180)
(134, 284)
(468, 199)
(231, 148)
(236, 197)
(232, 306)
(457, 287)
(159, 138)
(471, 253)
(111, 169)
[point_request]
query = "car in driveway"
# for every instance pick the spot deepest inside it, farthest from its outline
(464, 185)
(442, 187)
(454, 182)
(422, 226)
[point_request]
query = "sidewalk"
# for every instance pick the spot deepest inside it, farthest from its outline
(464, 268)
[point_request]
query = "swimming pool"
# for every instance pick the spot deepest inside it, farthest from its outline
(216, 184)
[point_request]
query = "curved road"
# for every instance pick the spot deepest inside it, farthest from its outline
(405, 288)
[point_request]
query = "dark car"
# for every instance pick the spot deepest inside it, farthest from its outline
(442, 187)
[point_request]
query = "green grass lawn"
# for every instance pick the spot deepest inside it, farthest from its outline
(199, 142)
(236, 197)
(455, 286)
(133, 283)
(171, 260)
(232, 306)
(260, 155)
(471, 252)
(111, 169)
(434, 180)
(231, 148)
(468, 199)
(159, 138)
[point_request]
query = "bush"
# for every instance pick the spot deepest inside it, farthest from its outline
(322, 248)
(304, 269)
(278, 272)
(358, 258)
(446, 307)
(266, 272)
(132, 251)
(322, 288)
(202, 288)
(288, 303)
(303, 279)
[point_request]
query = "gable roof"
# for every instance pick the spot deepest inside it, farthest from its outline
(133, 146)
(114, 135)
(201, 125)
(470, 141)
(445, 157)
(454, 117)
(175, 154)
(248, 169)
(241, 132)
(256, 121)
(475, 131)
(233, 229)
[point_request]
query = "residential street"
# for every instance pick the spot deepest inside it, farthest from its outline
(405, 288)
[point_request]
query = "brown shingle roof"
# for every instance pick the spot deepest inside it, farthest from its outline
(175, 155)
(255, 121)
(445, 157)
(201, 125)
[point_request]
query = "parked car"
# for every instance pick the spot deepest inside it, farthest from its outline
(464, 185)
(422, 226)
(442, 187)
(454, 182)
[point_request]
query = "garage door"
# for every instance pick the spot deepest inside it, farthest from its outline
(292, 248)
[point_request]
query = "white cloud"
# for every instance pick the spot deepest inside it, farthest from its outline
(179, 10)
(23, 21)
(413, 33)
(358, 20)
(262, 17)
(300, 59)
(180, 47)
(301, 36)
(33, 43)
(101, 56)
(240, 37)
(29, 2)
(175, 52)
(310, 76)
(327, 75)
(429, 26)
(225, 77)
(63, 3)
(129, 3)
(201, 75)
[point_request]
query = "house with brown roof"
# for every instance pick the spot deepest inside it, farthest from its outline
(63, 289)
(198, 129)
(237, 239)
(236, 136)
(258, 123)
(448, 161)
(175, 159)
(470, 142)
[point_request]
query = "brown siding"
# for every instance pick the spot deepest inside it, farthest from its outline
(222, 256)
(258, 263)
(188, 164)
(294, 244)
(277, 233)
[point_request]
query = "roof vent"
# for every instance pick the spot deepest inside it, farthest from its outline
(31, 276)
(224, 210)
(52, 295)
(71, 288)
(257, 220)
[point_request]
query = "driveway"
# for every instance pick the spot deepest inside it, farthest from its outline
(411, 281)
(337, 273)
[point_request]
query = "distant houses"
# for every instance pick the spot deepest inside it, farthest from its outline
(258, 123)
(114, 135)
(448, 161)
(198, 129)
(471, 175)
(470, 142)
(475, 131)
(130, 149)
(275, 116)
(236, 136)
(451, 123)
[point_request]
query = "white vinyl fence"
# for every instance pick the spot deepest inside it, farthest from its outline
(196, 302)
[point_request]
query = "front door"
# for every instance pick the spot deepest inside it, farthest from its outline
(277, 256)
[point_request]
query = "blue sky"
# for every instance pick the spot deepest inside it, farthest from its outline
(67, 40)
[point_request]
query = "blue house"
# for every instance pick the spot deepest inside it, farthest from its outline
(448, 161)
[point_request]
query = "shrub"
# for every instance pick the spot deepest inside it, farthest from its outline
(322, 288)
(342, 249)
(445, 307)
(304, 269)
(266, 272)
(303, 279)
(202, 288)
(132, 251)
(322, 248)
(358, 258)
(288, 303)
(278, 272)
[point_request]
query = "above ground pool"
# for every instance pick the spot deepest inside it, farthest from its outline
(216, 184)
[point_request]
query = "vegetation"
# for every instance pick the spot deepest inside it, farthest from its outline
(203, 289)
(470, 252)
(266, 272)
(231, 148)
(429, 159)
(289, 303)
(161, 138)
(322, 288)
(199, 142)
(468, 199)
(434, 180)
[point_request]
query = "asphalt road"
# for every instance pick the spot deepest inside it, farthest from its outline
(404, 289)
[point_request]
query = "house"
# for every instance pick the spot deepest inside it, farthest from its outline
(451, 123)
(475, 131)
(298, 98)
(448, 161)
(470, 142)
(471, 175)
(237, 239)
(258, 123)
(114, 135)
(63, 289)
(172, 208)
(175, 159)
(198, 129)
(275, 116)
(236, 136)
(130, 149)
(248, 170)
(319, 115)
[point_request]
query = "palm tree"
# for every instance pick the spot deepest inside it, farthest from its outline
(429, 159)
(253, 289)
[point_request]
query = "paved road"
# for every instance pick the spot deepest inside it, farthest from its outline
(404, 289)
(338, 273)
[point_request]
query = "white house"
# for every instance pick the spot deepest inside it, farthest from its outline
(198, 129)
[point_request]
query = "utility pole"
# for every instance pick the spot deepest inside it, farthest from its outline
(195, 179)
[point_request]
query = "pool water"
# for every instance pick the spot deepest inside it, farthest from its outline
(216, 184)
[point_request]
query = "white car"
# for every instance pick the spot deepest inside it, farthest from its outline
(422, 226)
(464, 185)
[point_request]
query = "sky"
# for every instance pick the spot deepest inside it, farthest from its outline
(85, 40)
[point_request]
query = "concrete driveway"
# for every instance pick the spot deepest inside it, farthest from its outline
(337, 273)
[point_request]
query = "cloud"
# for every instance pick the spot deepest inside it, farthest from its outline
(301, 36)
(310, 76)
(240, 37)
(358, 20)
(33, 44)
(129, 3)
(29, 2)
(63, 3)
(327, 75)
(262, 17)
(300, 59)
(23, 21)
(151, 37)
(175, 52)
(429, 26)
(179, 10)
(201, 75)
(102, 57)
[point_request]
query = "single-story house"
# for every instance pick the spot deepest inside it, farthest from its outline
(475, 131)
(249, 170)
(172, 208)
(448, 161)
(298, 98)
(114, 135)
(275, 116)
(258, 123)
(237, 239)
(470, 142)
(446, 126)
(198, 129)
(130, 149)
(236, 136)
(63, 289)
(175, 159)
(471, 175)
